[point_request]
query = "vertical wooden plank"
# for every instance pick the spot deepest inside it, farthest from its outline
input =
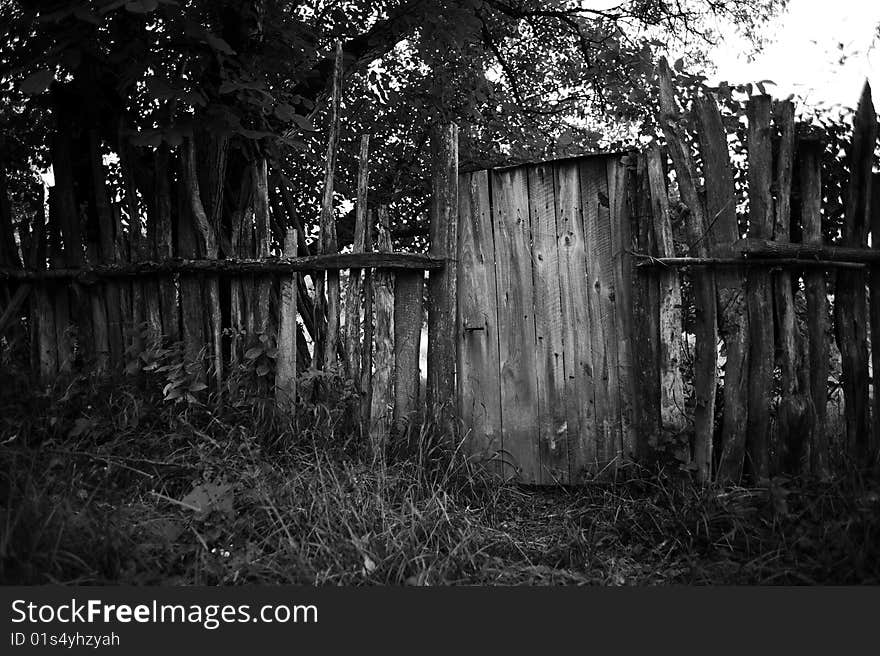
(285, 364)
(794, 420)
(646, 316)
(382, 402)
(107, 341)
(875, 312)
(328, 221)
(367, 363)
(818, 328)
(578, 329)
(408, 292)
(59, 293)
(353, 291)
(516, 321)
(192, 318)
(850, 307)
(43, 308)
(133, 246)
(600, 279)
(209, 241)
(621, 262)
(705, 321)
(673, 419)
(479, 385)
(442, 341)
(165, 245)
(549, 351)
(595, 200)
(733, 315)
(263, 237)
(760, 300)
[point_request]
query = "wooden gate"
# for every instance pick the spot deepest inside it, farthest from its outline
(544, 285)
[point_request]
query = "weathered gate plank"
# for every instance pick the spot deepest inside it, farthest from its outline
(622, 275)
(549, 356)
(580, 402)
(600, 281)
(479, 384)
(645, 317)
(519, 393)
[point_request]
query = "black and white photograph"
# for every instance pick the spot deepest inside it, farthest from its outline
(437, 293)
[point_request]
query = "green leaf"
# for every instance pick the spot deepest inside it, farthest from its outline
(285, 112)
(38, 82)
(197, 387)
(303, 122)
(218, 44)
(253, 353)
(263, 369)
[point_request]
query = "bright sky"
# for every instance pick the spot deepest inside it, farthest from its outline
(803, 54)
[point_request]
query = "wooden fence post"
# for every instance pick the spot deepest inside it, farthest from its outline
(731, 283)
(875, 314)
(850, 306)
(760, 300)
(382, 401)
(705, 324)
(794, 419)
(442, 304)
(818, 329)
(672, 395)
(328, 225)
(353, 291)
(285, 371)
(408, 288)
(645, 388)
(367, 360)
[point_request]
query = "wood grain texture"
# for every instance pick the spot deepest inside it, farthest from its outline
(442, 287)
(850, 305)
(760, 299)
(576, 302)
(621, 261)
(645, 316)
(705, 320)
(603, 321)
(794, 414)
(328, 220)
(875, 313)
(352, 333)
(816, 292)
(285, 362)
(382, 399)
(672, 391)
(479, 383)
(733, 317)
(519, 393)
(408, 307)
(552, 433)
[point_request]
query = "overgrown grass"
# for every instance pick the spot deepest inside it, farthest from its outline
(108, 483)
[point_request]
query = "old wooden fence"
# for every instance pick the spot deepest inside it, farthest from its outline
(576, 351)
(558, 300)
